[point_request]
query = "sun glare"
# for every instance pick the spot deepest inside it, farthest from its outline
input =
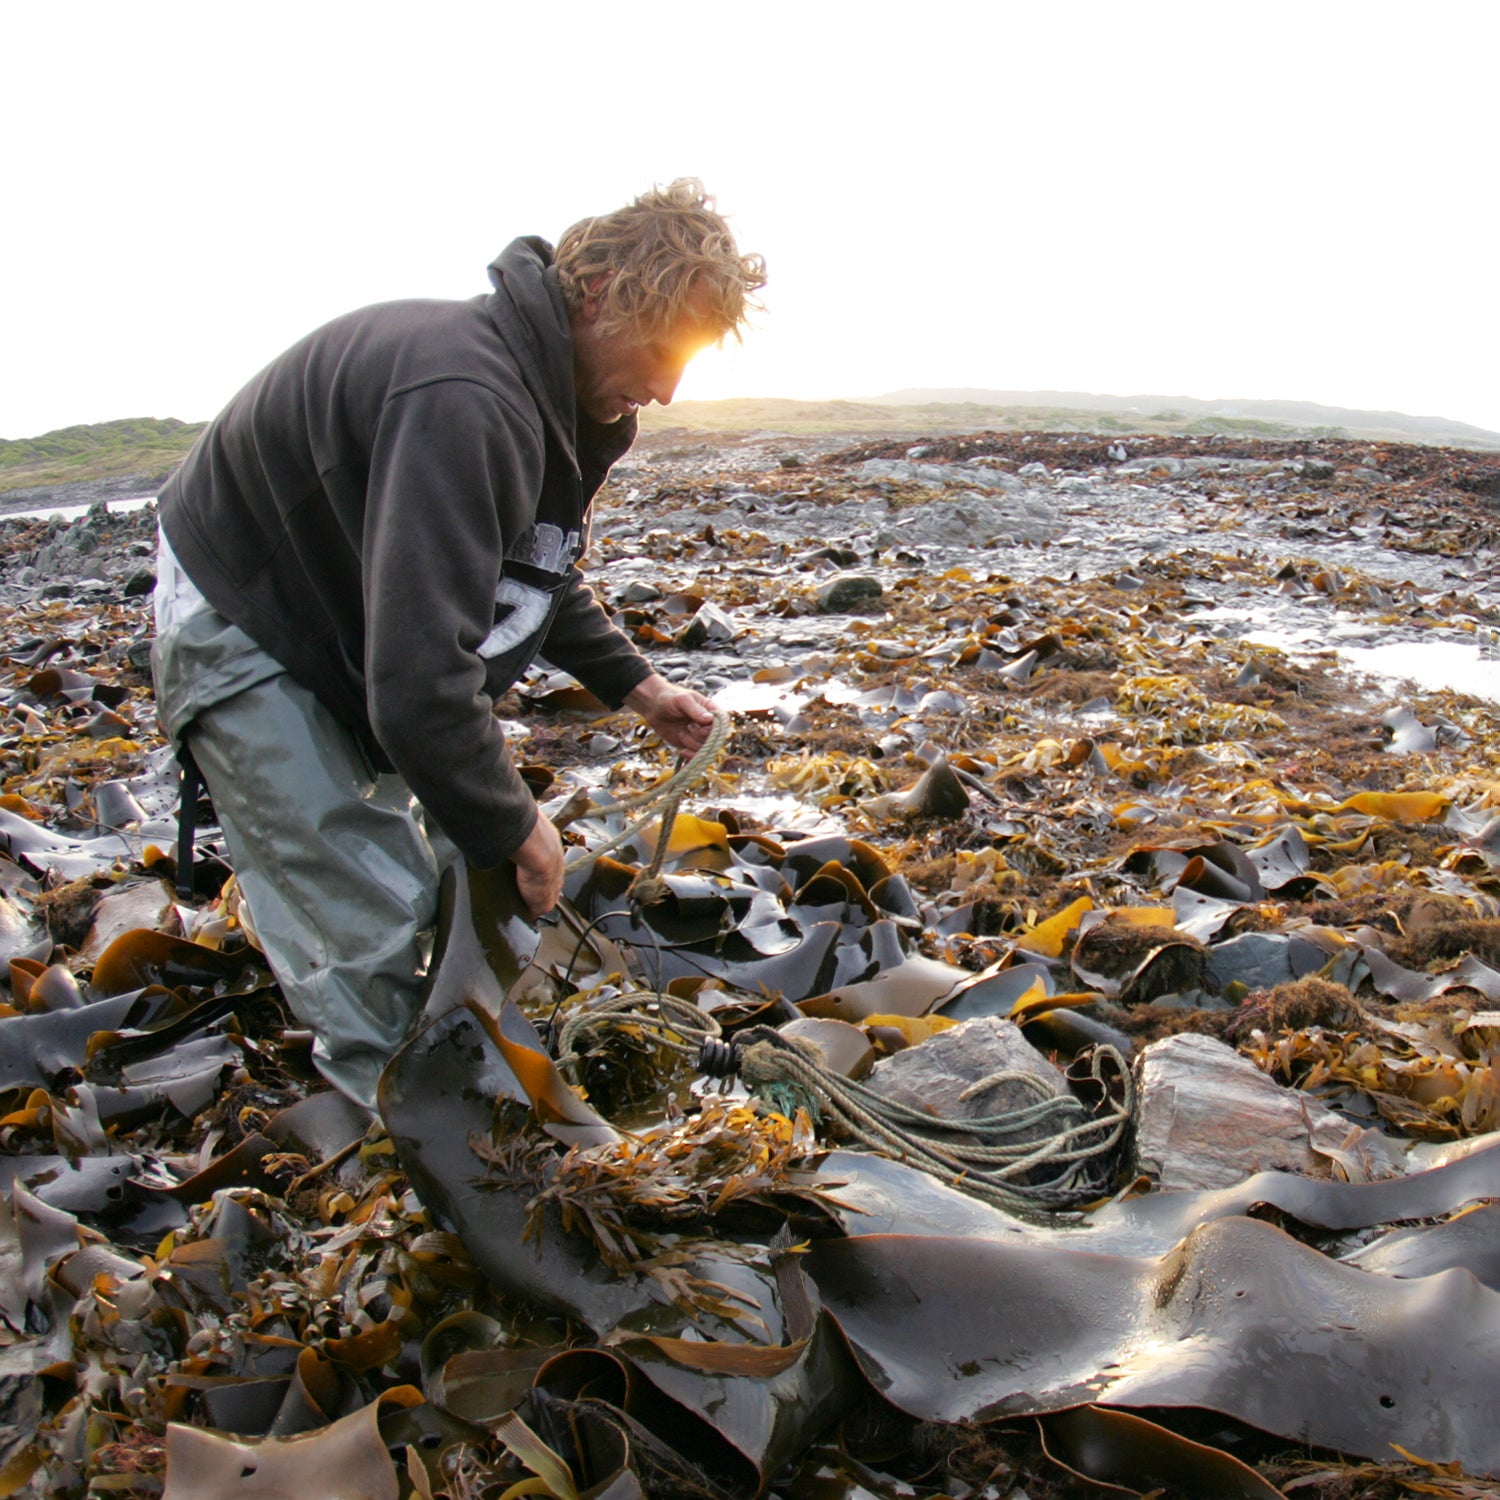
(759, 368)
(711, 374)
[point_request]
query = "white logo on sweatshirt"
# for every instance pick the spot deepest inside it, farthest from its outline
(545, 546)
(522, 611)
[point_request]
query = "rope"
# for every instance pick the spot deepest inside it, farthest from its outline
(983, 1157)
(990, 1165)
(666, 794)
(979, 1156)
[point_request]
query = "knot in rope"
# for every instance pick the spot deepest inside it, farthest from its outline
(768, 1072)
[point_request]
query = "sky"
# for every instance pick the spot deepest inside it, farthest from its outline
(1213, 199)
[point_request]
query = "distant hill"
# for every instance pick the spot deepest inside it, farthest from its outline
(1305, 417)
(136, 454)
(139, 451)
(917, 413)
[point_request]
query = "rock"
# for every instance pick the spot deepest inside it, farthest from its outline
(936, 1077)
(1161, 463)
(709, 626)
(920, 451)
(791, 461)
(851, 594)
(1206, 1117)
(639, 593)
(844, 557)
(938, 793)
(938, 476)
(1314, 468)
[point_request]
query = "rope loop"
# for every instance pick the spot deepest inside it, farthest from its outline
(674, 1025)
(1052, 1153)
(666, 794)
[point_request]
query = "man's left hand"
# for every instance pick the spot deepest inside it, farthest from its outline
(680, 716)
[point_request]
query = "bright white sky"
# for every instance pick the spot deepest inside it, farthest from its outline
(1253, 199)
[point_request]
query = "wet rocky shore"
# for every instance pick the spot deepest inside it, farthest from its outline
(1161, 773)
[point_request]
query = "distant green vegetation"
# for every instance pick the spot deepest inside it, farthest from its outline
(1239, 426)
(145, 446)
(147, 449)
(931, 419)
(901, 420)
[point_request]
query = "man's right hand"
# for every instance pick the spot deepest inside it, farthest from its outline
(539, 868)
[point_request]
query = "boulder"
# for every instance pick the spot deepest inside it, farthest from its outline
(940, 1076)
(1314, 468)
(1206, 1117)
(710, 626)
(851, 594)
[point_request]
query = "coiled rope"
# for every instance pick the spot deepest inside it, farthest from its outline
(990, 1157)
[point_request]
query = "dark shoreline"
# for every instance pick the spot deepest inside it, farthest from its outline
(81, 492)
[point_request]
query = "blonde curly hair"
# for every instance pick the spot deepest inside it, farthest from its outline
(660, 254)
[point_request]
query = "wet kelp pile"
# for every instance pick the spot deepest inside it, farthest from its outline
(1052, 1049)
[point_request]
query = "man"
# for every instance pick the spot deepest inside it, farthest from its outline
(373, 541)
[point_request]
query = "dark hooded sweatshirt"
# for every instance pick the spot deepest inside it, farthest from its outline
(393, 510)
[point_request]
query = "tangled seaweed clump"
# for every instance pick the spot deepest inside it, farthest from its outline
(1072, 770)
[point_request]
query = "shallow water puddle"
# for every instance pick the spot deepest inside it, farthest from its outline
(1437, 661)
(750, 697)
(1460, 666)
(758, 697)
(1434, 663)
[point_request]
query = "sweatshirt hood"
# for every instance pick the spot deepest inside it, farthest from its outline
(528, 310)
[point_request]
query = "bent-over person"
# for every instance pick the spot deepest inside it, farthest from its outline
(371, 543)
